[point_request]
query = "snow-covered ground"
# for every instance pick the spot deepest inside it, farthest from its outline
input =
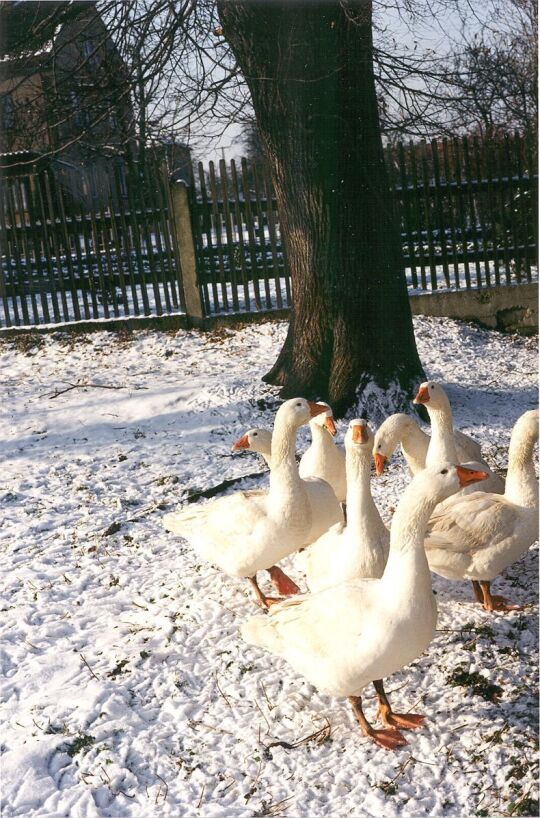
(126, 688)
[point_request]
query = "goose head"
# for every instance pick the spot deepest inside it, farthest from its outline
(524, 436)
(297, 411)
(527, 424)
(431, 395)
(387, 437)
(359, 438)
(439, 482)
(324, 420)
(254, 440)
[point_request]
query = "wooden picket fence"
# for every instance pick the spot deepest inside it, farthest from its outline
(61, 262)
(240, 259)
(467, 211)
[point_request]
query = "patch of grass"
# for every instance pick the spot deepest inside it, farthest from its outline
(485, 630)
(496, 737)
(144, 654)
(167, 478)
(26, 342)
(119, 669)
(79, 743)
(479, 630)
(528, 806)
(519, 768)
(508, 650)
(521, 624)
(388, 787)
(479, 685)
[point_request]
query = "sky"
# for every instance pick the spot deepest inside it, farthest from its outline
(434, 33)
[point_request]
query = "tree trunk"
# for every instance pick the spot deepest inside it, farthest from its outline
(309, 69)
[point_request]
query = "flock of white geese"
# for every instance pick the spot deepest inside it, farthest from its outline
(371, 609)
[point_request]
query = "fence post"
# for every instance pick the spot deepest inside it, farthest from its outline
(187, 274)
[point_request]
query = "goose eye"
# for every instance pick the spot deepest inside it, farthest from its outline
(444, 471)
(379, 446)
(255, 434)
(299, 404)
(432, 386)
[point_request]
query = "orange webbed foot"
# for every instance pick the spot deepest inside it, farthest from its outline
(389, 739)
(499, 603)
(268, 601)
(405, 721)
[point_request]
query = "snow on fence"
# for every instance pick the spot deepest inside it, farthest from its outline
(467, 211)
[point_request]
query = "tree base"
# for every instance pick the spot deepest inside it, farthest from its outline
(346, 378)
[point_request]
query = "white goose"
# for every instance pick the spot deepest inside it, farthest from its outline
(359, 548)
(478, 535)
(359, 632)
(323, 458)
(250, 531)
(256, 440)
(403, 429)
(442, 447)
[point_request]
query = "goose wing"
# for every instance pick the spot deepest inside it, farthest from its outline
(467, 448)
(226, 517)
(472, 522)
(311, 626)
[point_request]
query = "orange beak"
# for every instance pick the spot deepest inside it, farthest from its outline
(316, 408)
(380, 463)
(331, 426)
(422, 396)
(360, 434)
(241, 443)
(468, 476)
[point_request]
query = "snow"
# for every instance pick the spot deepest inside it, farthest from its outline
(156, 298)
(127, 690)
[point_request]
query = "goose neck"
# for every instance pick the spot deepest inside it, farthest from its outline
(284, 468)
(361, 509)
(414, 445)
(320, 436)
(407, 533)
(521, 483)
(442, 448)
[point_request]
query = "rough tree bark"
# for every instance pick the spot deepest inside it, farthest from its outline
(309, 70)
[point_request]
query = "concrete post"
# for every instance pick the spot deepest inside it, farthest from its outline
(185, 253)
